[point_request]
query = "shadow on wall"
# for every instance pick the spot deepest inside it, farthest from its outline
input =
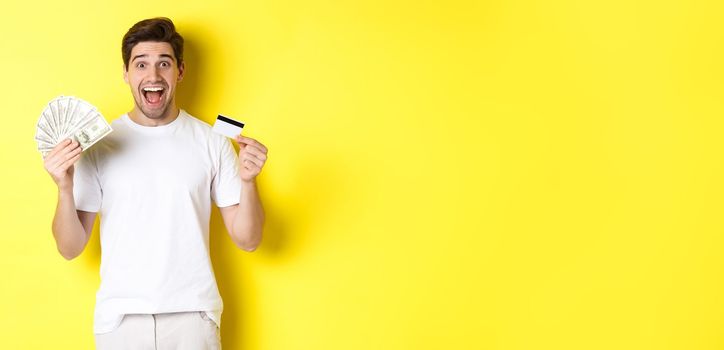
(198, 83)
(286, 237)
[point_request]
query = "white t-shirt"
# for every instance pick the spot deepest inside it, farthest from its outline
(153, 188)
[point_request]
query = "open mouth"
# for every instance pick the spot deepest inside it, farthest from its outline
(153, 95)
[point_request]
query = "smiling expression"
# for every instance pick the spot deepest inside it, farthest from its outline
(152, 75)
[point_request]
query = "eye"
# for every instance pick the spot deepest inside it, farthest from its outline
(141, 65)
(164, 64)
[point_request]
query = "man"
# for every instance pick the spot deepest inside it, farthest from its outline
(152, 180)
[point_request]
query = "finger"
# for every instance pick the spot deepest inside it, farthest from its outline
(62, 155)
(68, 163)
(65, 157)
(258, 161)
(250, 158)
(252, 168)
(58, 147)
(256, 152)
(250, 141)
(70, 147)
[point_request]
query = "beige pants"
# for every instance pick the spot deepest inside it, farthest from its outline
(177, 331)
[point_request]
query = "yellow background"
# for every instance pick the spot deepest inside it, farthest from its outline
(510, 174)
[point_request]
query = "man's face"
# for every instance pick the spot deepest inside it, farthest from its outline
(152, 75)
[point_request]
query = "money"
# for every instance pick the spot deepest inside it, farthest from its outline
(92, 131)
(67, 117)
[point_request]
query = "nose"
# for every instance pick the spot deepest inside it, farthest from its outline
(154, 73)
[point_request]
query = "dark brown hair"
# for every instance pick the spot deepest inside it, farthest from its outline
(159, 29)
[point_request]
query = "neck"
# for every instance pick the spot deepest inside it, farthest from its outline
(139, 118)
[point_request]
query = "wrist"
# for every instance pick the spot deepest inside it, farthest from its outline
(66, 188)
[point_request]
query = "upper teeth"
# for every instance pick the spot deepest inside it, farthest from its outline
(152, 89)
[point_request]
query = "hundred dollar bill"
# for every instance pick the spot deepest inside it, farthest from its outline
(69, 117)
(92, 131)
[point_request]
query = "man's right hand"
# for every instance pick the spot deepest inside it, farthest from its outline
(59, 162)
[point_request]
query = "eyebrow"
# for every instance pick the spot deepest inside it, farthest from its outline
(145, 55)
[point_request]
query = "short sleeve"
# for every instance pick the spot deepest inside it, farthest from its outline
(86, 185)
(226, 185)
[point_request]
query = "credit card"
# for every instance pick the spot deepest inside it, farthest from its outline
(227, 126)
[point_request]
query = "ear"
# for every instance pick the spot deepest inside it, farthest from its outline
(125, 74)
(181, 70)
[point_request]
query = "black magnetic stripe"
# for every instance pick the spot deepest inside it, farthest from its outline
(230, 121)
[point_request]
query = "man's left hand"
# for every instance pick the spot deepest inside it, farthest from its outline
(252, 156)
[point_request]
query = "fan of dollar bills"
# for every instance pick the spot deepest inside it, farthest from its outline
(68, 117)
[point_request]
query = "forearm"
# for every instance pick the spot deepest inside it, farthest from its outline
(249, 219)
(70, 236)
